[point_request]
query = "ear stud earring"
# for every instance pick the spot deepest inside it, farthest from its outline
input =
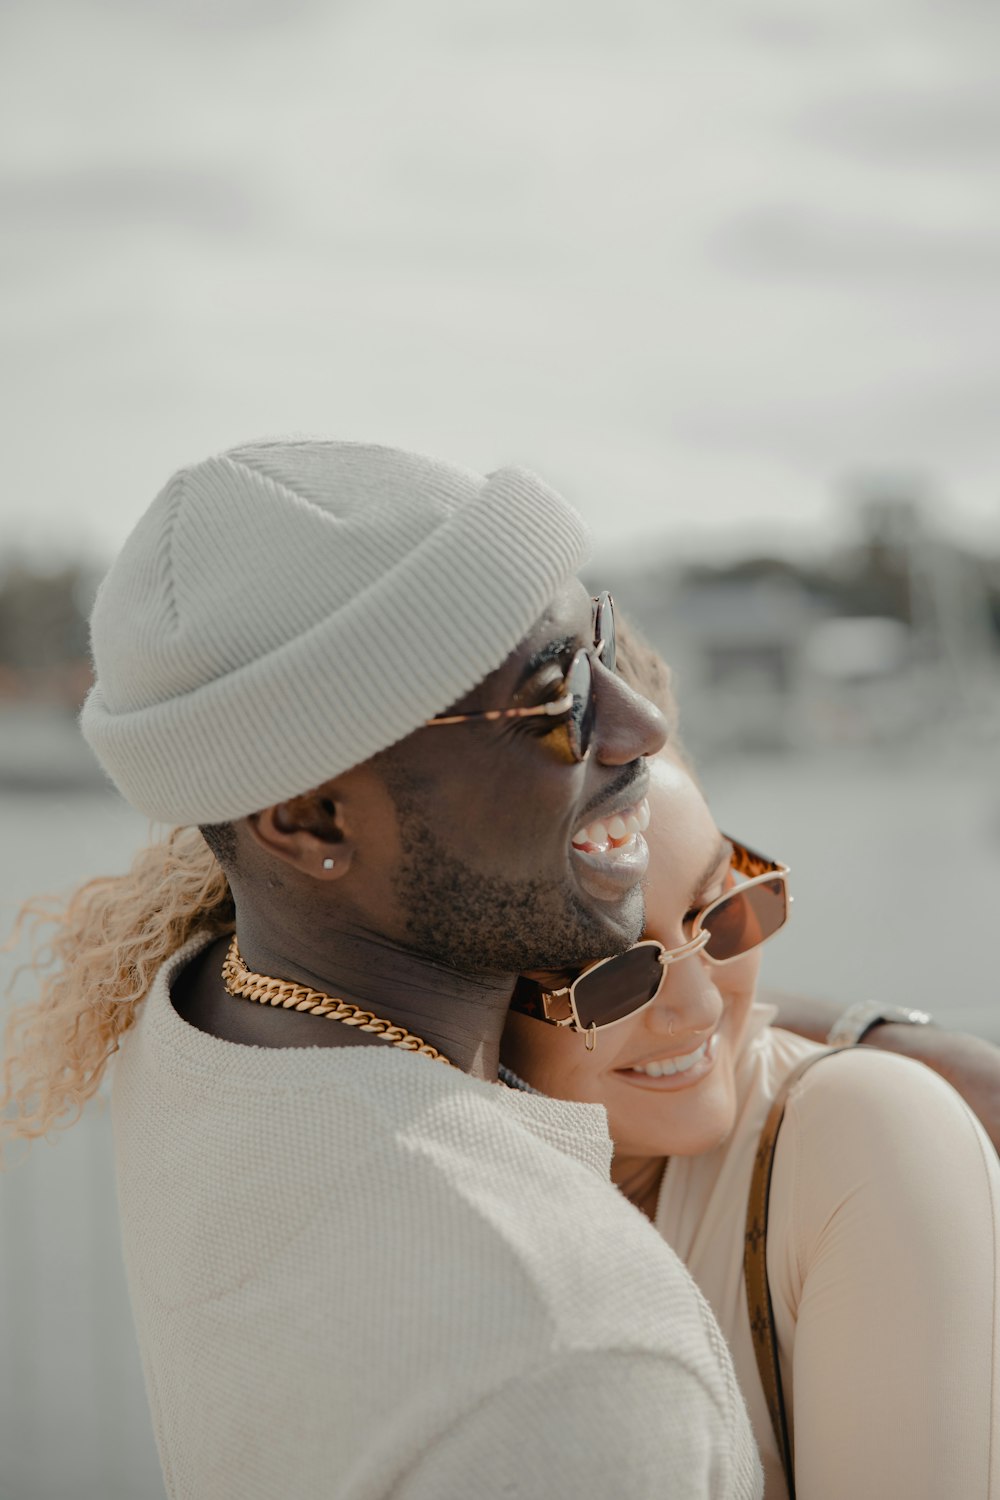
(328, 864)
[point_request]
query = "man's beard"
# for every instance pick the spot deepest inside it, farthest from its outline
(476, 923)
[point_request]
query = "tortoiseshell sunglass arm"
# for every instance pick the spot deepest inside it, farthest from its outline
(748, 862)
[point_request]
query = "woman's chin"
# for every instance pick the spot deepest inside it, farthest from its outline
(679, 1125)
(700, 1143)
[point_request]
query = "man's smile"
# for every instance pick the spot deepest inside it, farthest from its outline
(610, 853)
(613, 831)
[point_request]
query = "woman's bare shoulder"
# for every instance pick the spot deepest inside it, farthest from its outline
(862, 1116)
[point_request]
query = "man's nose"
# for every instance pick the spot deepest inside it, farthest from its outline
(628, 726)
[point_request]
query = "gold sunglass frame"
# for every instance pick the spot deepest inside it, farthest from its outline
(559, 1005)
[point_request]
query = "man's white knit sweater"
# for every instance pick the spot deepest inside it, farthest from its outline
(358, 1273)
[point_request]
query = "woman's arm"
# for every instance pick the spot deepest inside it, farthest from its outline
(883, 1261)
(970, 1064)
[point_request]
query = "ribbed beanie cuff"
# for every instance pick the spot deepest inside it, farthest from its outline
(284, 611)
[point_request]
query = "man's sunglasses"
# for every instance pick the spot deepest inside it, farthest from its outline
(576, 691)
(613, 989)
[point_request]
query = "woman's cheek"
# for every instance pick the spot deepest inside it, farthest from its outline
(737, 984)
(553, 1060)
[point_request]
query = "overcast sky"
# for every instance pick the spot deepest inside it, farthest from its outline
(698, 265)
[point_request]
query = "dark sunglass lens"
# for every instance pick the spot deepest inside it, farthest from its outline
(618, 987)
(580, 724)
(745, 918)
(604, 630)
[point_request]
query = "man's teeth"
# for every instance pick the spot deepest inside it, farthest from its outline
(669, 1065)
(599, 836)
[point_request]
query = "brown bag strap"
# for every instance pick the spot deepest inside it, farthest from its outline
(765, 1338)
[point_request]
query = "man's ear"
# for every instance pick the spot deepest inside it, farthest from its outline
(307, 833)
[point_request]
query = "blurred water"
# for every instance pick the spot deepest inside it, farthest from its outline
(896, 872)
(73, 1416)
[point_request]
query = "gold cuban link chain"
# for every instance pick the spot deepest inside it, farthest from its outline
(243, 982)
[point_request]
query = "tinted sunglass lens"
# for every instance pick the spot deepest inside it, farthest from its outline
(604, 630)
(746, 917)
(580, 724)
(616, 988)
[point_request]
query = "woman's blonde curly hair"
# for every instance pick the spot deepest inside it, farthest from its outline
(97, 953)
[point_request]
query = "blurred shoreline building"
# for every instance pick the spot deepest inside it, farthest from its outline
(894, 638)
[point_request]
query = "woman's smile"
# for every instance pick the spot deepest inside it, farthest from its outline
(673, 1070)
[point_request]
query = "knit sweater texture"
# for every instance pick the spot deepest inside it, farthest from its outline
(357, 1273)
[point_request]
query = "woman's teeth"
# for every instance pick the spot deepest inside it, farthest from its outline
(669, 1065)
(616, 832)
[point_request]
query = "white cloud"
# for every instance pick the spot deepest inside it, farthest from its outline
(695, 267)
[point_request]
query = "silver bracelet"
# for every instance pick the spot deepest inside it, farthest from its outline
(857, 1020)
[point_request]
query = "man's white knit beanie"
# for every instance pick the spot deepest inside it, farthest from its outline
(285, 610)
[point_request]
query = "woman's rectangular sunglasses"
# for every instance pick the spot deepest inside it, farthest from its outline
(575, 700)
(614, 988)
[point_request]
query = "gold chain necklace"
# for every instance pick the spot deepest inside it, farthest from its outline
(241, 981)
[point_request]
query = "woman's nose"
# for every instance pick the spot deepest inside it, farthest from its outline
(627, 725)
(688, 1000)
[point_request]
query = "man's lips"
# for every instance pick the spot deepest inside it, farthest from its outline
(609, 852)
(611, 856)
(629, 790)
(613, 828)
